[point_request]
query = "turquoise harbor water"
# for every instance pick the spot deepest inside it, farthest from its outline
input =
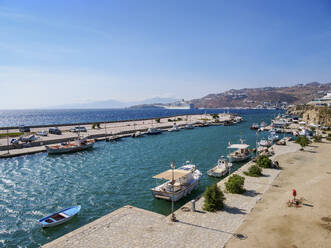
(106, 178)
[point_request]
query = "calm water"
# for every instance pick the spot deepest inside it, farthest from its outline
(104, 179)
(65, 116)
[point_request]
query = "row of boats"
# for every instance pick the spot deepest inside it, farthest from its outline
(81, 144)
(181, 181)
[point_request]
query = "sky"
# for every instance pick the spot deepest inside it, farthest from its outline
(62, 52)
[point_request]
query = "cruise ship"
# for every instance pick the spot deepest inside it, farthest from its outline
(179, 105)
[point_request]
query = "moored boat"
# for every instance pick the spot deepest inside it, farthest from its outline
(221, 169)
(240, 154)
(153, 131)
(255, 126)
(189, 126)
(137, 134)
(77, 145)
(60, 217)
(180, 182)
(265, 143)
(174, 128)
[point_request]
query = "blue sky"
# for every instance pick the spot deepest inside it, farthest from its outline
(61, 52)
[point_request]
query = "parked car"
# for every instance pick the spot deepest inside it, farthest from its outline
(42, 133)
(24, 129)
(78, 129)
(54, 130)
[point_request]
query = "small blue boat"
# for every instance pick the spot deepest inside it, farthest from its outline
(60, 217)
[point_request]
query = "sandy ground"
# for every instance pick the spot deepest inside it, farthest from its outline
(273, 224)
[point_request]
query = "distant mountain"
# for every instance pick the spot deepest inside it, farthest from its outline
(116, 104)
(264, 97)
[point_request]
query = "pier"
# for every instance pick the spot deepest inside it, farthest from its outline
(109, 129)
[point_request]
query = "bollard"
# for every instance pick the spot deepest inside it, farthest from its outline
(193, 205)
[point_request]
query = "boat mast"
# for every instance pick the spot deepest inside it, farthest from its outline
(173, 217)
(7, 141)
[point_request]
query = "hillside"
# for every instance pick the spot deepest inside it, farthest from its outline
(264, 97)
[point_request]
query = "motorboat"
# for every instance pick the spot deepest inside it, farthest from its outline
(255, 126)
(153, 131)
(273, 137)
(113, 138)
(221, 169)
(77, 145)
(180, 182)
(137, 134)
(240, 154)
(265, 143)
(189, 126)
(174, 128)
(60, 217)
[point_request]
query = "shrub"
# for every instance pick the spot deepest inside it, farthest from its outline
(179, 119)
(94, 125)
(215, 116)
(254, 171)
(214, 198)
(317, 138)
(329, 137)
(169, 120)
(235, 184)
(263, 161)
(302, 141)
(157, 120)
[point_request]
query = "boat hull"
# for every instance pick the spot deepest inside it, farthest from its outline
(177, 195)
(213, 173)
(238, 159)
(54, 220)
(51, 150)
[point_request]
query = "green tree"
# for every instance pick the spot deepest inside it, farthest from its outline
(263, 161)
(254, 171)
(158, 120)
(214, 198)
(317, 138)
(302, 141)
(235, 184)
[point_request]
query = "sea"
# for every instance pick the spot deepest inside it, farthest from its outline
(109, 176)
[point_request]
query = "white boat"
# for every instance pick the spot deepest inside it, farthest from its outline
(137, 134)
(153, 131)
(221, 169)
(174, 128)
(240, 154)
(265, 143)
(263, 124)
(77, 145)
(273, 137)
(189, 126)
(186, 179)
(60, 217)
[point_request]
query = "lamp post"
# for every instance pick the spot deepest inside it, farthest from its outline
(173, 217)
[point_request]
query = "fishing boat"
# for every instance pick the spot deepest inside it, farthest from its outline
(255, 126)
(240, 154)
(221, 169)
(180, 182)
(153, 131)
(66, 147)
(174, 128)
(60, 217)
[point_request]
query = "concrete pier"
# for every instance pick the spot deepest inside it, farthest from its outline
(121, 128)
